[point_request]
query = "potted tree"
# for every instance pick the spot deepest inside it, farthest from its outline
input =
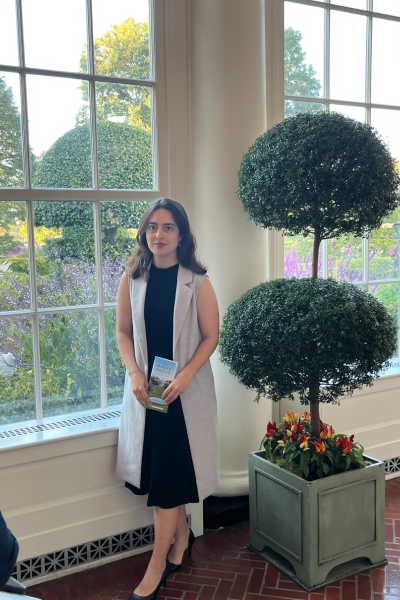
(316, 501)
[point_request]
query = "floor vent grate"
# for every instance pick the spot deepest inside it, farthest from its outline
(392, 465)
(40, 566)
(10, 433)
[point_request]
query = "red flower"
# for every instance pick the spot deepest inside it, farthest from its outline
(327, 432)
(271, 429)
(346, 443)
(319, 446)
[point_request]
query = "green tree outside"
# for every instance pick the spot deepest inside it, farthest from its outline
(11, 164)
(300, 78)
(123, 51)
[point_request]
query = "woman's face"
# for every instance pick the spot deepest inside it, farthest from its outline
(162, 236)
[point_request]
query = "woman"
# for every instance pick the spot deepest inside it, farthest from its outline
(167, 307)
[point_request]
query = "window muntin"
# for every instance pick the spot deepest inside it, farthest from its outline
(361, 89)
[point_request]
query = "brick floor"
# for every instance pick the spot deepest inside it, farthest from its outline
(223, 568)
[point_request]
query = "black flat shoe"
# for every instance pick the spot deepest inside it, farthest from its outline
(171, 567)
(153, 595)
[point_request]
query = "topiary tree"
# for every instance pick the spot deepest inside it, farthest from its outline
(125, 161)
(328, 176)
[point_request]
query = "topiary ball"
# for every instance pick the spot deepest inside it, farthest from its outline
(319, 171)
(281, 333)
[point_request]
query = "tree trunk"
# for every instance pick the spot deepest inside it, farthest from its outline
(314, 408)
(314, 383)
(317, 244)
(110, 233)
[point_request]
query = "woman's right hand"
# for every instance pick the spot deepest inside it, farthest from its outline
(139, 386)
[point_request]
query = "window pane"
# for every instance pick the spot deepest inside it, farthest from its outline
(348, 52)
(70, 359)
(115, 366)
(17, 389)
(360, 4)
(124, 141)
(388, 294)
(49, 45)
(298, 257)
(65, 255)
(354, 112)
(293, 108)
(345, 259)
(387, 7)
(59, 132)
(384, 250)
(121, 34)
(385, 57)
(11, 163)
(387, 122)
(8, 34)
(14, 266)
(119, 223)
(304, 50)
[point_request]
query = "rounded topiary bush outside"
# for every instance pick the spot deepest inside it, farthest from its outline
(125, 159)
(288, 335)
(319, 173)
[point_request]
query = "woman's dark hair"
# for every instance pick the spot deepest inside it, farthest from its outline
(139, 262)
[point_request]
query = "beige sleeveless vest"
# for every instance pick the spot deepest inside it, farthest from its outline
(198, 402)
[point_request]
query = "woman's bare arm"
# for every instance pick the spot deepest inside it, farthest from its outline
(208, 316)
(139, 383)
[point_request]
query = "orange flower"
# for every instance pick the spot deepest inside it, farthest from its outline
(291, 417)
(319, 446)
(327, 432)
(346, 443)
(303, 441)
(307, 416)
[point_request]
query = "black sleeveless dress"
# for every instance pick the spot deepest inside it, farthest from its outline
(167, 468)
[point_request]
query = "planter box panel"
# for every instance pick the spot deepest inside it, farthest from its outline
(317, 532)
(278, 513)
(355, 521)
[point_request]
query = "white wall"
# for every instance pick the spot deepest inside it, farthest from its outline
(61, 493)
(228, 113)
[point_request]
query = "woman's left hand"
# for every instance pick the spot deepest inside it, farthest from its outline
(179, 385)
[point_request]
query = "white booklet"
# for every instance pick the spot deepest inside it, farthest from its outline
(162, 373)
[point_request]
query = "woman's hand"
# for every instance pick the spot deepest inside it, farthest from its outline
(179, 385)
(139, 386)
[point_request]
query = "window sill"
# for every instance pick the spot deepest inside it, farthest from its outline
(18, 435)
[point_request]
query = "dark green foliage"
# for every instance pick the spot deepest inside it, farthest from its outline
(125, 159)
(321, 172)
(283, 333)
(11, 166)
(76, 243)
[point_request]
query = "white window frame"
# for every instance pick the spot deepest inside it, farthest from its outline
(161, 187)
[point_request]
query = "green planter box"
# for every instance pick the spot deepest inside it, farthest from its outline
(320, 531)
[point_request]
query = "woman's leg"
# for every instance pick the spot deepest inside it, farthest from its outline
(181, 537)
(165, 525)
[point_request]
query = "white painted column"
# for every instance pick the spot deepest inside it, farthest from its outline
(228, 113)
